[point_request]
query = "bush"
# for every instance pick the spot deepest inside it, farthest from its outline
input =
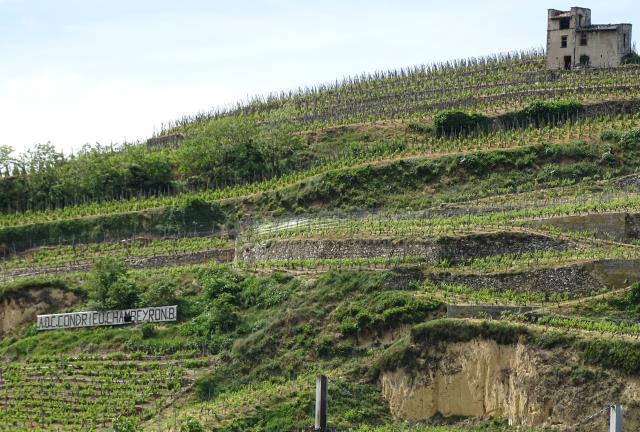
(148, 331)
(452, 122)
(541, 112)
(420, 128)
(266, 293)
(613, 354)
(124, 424)
(611, 136)
(196, 215)
(191, 425)
(206, 388)
(447, 330)
(631, 58)
(109, 287)
(160, 293)
(384, 310)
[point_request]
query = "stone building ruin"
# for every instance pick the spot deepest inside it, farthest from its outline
(573, 42)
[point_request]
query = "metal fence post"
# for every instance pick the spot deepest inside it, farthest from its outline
(615, 422)
(321, 403)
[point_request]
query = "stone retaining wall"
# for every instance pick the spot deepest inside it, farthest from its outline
(218, 255)
(622, 227)
(482, 311)
(454, 249)
(579, 279)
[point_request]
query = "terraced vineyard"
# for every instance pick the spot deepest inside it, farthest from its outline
(398, 232)
(68, 394)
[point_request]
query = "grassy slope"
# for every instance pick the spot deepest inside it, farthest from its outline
(266, 335)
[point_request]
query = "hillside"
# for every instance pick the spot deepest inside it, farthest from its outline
(455, 246)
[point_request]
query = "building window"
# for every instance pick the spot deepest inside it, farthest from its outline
(625, 41)
(565, 23)
(563, 42)
(584, 60)
(583, 39)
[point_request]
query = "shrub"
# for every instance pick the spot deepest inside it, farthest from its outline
(451, 122)
(266, 293)
(206, 388)
(124, 424)
(160, 293)
(612, 354)
(447, 330)
(611, 136)
(384, 310)
(109, 287)
(420, 128)
(191, 425)
(631, 58)
(148, 331)
(541, 112)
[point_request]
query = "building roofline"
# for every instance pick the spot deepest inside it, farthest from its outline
(601, 27)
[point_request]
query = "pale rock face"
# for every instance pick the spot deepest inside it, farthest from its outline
(21, 311)
(485, 380)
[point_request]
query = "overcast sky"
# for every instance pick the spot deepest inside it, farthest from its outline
(74, 71)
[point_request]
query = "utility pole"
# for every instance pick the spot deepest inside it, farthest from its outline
(615, 422)
(322, 404)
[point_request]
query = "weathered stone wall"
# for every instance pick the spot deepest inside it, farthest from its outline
(615, 226)
(454, 249)
(574, 280)
(218, 255)
(579, 279)
(482, 311)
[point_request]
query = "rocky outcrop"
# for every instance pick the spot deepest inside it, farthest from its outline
(19, 309)
(525, 385)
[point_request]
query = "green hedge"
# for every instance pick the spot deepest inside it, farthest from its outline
(540, 113)
(455, 122)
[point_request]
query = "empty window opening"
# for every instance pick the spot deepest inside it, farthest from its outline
(583, 39)
(563, 42)
(565, 23)
(625, 40)
(580, 20)
(584, 60)
(567, 62)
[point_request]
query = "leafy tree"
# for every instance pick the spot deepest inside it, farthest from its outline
(109, 286)
(160, 293)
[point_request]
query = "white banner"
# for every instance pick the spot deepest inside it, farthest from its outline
(107, 318)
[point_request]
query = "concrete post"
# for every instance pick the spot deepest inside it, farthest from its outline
(321, 403)
(615, 422)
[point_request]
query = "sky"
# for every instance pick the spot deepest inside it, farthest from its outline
(86, 71)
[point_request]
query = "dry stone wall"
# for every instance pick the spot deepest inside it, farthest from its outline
(218, 255)
(454, 249)
(575, 280)
(622, 227)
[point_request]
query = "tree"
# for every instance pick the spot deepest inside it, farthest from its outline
(109, 286)
(5, 158)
